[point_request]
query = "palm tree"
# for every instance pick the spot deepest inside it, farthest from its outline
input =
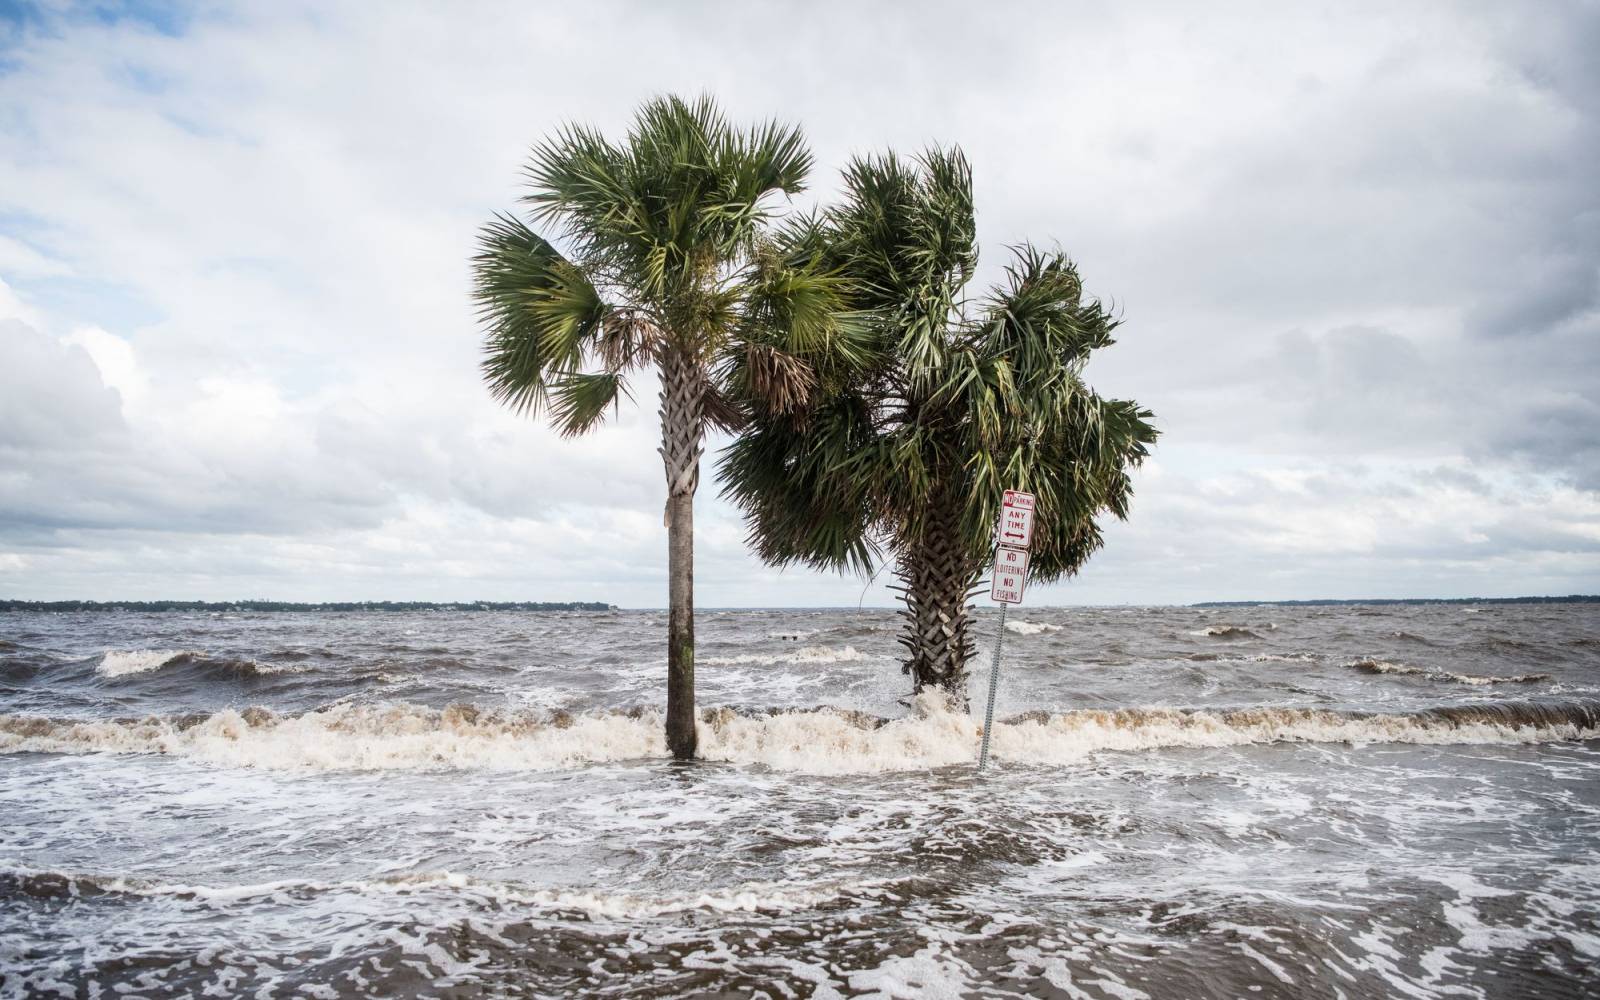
(907, 441)
(665, 262)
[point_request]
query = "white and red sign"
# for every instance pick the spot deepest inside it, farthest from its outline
(1016, 519)
(1010, 573)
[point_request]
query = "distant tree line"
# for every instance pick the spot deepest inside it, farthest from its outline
(6, 605)
(1568, 599)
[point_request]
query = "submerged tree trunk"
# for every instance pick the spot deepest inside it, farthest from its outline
(682, 409)
(936, 575)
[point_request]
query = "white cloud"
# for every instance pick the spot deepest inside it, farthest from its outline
(114, 356)
(12, 307)
(51, 394)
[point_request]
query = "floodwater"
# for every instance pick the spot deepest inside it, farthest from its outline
(1274, 802)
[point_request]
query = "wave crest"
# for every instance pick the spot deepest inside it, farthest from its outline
(818, 741)
(124, 662)
(119, 665)
(1228, 632)
(1477, 680)
(1031, 628)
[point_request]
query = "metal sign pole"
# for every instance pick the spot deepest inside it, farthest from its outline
(994, 682)
(1012, 537)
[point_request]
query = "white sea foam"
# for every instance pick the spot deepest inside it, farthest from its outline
(1229, 632)
(122, 662)
(748, 897)
(119, 663)
(932, 973)
(805, 654)
(820, 741)
(356, 737)
(1031, 628)
(1477, 680)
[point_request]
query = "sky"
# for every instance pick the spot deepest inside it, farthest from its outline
(1355, 248)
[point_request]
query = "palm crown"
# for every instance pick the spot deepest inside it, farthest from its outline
(662, 235)
(666, 261)
(908, 439)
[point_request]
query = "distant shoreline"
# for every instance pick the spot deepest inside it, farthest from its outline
(289, 606)
(598, 606)
(1322, 601)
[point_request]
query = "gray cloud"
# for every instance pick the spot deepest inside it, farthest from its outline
(51, 395)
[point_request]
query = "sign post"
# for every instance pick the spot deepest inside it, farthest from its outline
(1013, 535)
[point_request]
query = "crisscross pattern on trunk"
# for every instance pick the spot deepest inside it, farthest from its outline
(682, 421)
(936, 575)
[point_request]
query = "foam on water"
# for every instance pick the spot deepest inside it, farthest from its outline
(1476, 680)
(1230, 632)
(1031, 628)
(804, 654)
(125, 666)
(354, 737)
(749, 897)
(124, 662)
(1175, 814)
(818, 741)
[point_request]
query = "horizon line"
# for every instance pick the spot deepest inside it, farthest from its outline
(467, 604)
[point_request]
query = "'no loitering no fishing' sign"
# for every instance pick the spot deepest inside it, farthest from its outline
(1010, 572)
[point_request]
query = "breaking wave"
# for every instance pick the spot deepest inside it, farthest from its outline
(818, 741)
(120, 665)
(1031, 628)
(1228, 632)
(123, 662)
(1412, 637)
(1385, 667)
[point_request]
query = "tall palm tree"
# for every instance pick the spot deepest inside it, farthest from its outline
(649, 253)
(907, 441)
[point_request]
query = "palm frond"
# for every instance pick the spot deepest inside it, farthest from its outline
(952, 412)
(1040, 320)
(579, 400)
(660, 235)
(537, 309)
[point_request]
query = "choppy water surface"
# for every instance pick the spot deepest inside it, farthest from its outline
(1312, 802)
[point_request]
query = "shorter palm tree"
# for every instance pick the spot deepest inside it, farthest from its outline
(906, 441)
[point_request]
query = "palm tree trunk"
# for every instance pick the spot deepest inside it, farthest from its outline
(682, 409)
(936, 576)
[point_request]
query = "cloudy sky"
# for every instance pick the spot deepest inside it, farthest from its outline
(1356, 248)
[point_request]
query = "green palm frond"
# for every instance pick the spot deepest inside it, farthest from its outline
(538, 310)
(579, 400)
(666, 245)
(776, 475)
(1040, 320)
(947, 412)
